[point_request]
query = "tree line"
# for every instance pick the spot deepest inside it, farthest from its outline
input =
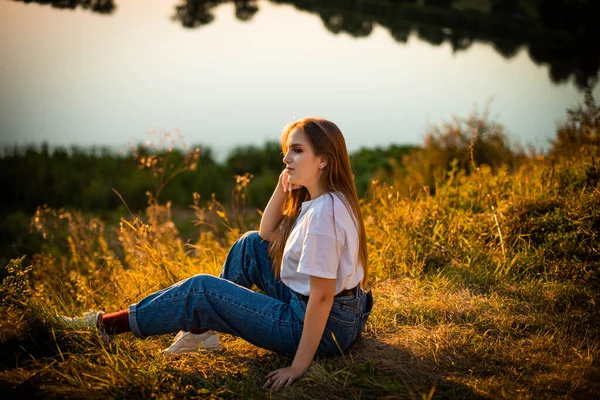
(85, 178)
(98, 179)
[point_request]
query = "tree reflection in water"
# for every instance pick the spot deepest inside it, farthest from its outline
(194, 13)
(562, 34)
(99, 6)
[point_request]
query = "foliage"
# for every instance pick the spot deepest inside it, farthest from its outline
(377, 163)
(462, 144)
(580, 132)
(15, 289)
(255, 160)
(507, 225)
(84, 179)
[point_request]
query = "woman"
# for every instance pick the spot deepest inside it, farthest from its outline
(309, 258)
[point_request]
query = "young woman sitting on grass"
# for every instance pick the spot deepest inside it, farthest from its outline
(309, 258)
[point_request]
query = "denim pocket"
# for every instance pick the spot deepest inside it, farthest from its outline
(365, 314)
(343, 317)
(342, 325)
(339, 334)
(345, 310)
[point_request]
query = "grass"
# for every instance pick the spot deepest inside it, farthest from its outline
(486, 286)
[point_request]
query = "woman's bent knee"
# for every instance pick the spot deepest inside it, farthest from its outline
(251, 236)
(198, 282)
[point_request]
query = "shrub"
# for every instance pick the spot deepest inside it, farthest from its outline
(580, 133)
(468, 142)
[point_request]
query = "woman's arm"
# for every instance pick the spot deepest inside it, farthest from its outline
(274, 209)
(317, 312)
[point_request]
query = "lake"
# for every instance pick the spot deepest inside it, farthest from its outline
(226, 74)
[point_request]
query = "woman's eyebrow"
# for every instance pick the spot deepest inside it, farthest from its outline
(296, 145)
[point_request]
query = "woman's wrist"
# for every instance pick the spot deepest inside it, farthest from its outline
(300, 367)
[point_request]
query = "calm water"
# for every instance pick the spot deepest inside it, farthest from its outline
(76, 77)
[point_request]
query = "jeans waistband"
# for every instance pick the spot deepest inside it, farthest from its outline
(345, 292)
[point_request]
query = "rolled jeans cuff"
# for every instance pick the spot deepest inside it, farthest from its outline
(133, 324)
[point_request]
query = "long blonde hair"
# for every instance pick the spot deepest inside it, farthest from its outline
(327, 141)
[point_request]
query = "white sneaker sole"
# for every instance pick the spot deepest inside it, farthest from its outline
(187, 342)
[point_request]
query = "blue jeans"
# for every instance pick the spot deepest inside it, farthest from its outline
(273, 320)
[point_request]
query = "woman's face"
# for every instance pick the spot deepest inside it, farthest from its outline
(302, 164)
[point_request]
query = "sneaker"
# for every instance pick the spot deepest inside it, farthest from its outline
(89, 320)
(187, 342)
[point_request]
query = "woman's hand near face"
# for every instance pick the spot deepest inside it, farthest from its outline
(284, 179)
(274, 209)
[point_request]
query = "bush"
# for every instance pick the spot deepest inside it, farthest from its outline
(464, 143)
(580, 133)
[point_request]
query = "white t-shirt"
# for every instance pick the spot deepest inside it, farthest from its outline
(323, 243)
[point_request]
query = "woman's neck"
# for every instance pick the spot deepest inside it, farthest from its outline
(315, 192)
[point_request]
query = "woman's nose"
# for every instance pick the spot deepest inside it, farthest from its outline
(286, 159)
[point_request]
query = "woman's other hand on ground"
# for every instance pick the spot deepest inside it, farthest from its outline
(284, 178)
(281, 378)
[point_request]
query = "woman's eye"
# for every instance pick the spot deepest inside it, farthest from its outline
(297, 151)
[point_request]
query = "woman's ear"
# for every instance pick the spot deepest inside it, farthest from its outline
(323, 163)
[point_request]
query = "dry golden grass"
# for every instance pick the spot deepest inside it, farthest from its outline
(487, 289)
